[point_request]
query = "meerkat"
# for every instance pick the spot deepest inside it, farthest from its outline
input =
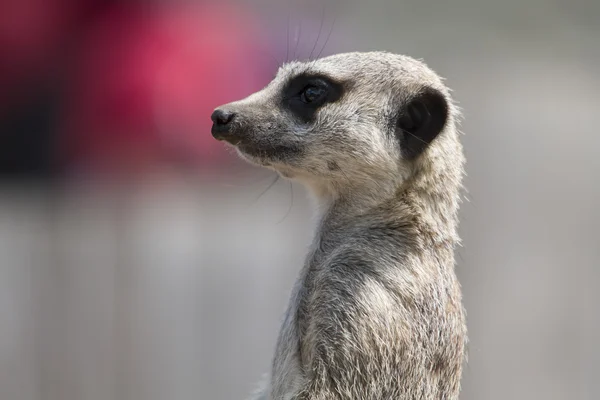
(376, 312)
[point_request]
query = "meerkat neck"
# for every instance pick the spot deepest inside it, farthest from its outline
(431, 196)
(435, 191)
(436, 205)
(339, 205)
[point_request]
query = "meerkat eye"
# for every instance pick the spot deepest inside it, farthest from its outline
(312, 93)
(305, 94)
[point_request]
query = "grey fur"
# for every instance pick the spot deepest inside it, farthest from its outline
(376, 313)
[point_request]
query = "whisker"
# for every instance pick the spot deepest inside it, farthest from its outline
(298, 37)
(291, 204)
(267, 189)
(416, 137)
(328, 36)
(320, 30)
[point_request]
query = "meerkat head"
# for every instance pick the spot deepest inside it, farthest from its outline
(344, 121)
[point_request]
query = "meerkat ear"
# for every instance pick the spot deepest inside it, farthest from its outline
(420, 121)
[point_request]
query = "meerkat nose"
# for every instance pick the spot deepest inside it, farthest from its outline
(221, 123)
(222, 117)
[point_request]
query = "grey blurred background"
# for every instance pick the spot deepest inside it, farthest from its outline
(139, 260)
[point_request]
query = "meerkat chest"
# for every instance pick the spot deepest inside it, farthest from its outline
(287, 373)
(288, 349)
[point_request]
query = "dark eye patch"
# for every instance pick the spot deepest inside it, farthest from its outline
(304, 94)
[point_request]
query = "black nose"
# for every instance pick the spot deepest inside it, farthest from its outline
(222, 117)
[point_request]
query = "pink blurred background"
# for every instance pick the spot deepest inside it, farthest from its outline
(120, 87)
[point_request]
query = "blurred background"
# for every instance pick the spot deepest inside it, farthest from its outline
(139, 259)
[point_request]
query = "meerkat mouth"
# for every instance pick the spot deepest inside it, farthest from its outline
(272, 153)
